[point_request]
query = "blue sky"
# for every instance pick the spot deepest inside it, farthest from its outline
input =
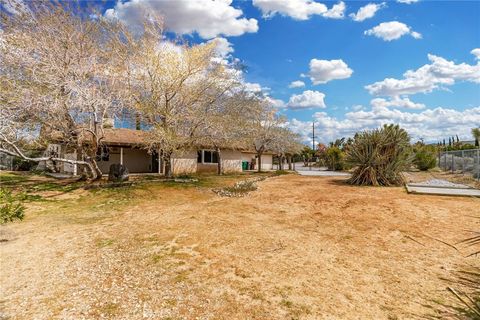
(278, 40)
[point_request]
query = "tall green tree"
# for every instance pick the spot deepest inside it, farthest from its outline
(476, 136)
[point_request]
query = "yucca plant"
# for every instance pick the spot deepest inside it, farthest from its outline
(380, 156)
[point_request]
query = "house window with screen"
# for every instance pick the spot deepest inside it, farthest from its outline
(207, 156)
(103, 153)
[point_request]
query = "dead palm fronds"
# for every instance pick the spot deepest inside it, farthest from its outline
(464, 284)
(474, 242)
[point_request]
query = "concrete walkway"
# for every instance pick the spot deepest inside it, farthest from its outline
(444, 191)
(318, 171)
(325, 173)
(442, 187)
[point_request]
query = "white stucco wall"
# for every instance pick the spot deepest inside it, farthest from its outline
(231, 161)
(267, 160)
(68, 167)
(185, 162)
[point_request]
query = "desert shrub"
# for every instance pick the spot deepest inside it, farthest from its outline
(425, 159)
(10, 207)
(334, 158)
(23, 165)
(379, 156)
(281, 172)
(240, 189)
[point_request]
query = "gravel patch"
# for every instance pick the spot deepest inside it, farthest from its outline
(440, 183)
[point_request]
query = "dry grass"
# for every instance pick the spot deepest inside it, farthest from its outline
(297, 248)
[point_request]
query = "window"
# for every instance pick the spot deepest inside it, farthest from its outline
(103, 154)
(207, 156)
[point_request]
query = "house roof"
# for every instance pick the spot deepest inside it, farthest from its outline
(131, 137)
(124, 137)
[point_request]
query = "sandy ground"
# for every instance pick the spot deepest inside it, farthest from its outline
(298, 248)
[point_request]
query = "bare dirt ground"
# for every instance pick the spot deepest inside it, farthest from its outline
(298, 248)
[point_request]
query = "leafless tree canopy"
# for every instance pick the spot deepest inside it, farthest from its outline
(64, 74)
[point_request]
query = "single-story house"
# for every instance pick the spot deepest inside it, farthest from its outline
(126, 146)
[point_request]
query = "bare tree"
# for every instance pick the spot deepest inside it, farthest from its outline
(226, 125)
(286, 144)
(174, 86)
(57, 78)
(262, 127)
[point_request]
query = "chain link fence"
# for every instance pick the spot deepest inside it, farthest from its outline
(461, 161)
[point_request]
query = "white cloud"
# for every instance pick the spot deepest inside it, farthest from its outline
(322, 71)
(208, 18)
(277, 103)
(298, 9)
(440, 72)
(392, 30)
(416, 35)
(430, 124)
(476, 53)
(396, 102)
(307, 99)
(224, 47)
(296, 84)
(337, 11)
(367, 12)
(407, 1)
(253, 87)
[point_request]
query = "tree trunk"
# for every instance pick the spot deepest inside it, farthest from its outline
(259, 155)
(280, 161)
(97, 173)
(219, 164)
(168, 165)
(92, 167)
(289, 160)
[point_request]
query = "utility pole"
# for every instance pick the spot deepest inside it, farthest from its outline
(313, 136)
(313, 141)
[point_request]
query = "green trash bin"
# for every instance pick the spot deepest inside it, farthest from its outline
(244, 165)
